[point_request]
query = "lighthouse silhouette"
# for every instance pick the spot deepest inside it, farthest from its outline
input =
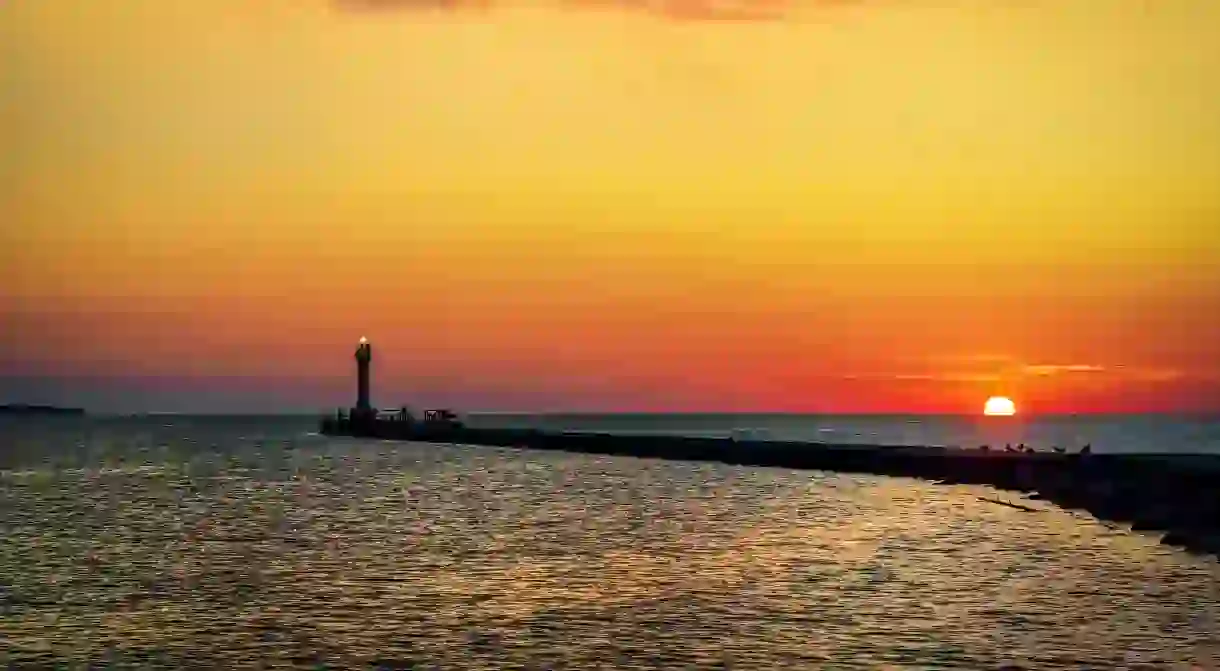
(364, 356)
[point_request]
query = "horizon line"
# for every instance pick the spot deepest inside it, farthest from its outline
(683, 413)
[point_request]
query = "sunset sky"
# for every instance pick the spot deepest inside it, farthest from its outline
(837, 206)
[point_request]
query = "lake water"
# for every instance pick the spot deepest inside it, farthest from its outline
(179, 542)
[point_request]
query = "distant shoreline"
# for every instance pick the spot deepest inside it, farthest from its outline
(28, 409)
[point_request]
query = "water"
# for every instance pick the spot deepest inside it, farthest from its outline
(1107, 433)
(176, 542)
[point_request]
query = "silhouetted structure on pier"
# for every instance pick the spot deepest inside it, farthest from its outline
(363, 419)
(364, 357)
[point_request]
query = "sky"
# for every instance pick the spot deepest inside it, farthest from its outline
(813, 205)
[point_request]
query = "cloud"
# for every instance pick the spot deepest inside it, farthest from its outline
(995, 368)
(925, 377)
(977, 359)
(405, 5)
(1117, 373)
(1050, 369)
(1155, 375)
(675, 10)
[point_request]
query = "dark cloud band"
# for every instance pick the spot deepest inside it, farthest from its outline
(676, 10)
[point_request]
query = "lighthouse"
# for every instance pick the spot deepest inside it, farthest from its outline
(364, 355)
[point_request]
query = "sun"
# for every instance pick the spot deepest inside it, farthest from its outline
(999, 406)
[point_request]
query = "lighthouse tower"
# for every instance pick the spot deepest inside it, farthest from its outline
(364, 355)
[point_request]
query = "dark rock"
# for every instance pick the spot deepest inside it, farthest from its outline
(1178, 538)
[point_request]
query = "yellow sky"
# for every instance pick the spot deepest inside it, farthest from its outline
(987, 172)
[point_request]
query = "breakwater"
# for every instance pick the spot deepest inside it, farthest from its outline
(1176, 496)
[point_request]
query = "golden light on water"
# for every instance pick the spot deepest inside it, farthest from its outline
(999, 406)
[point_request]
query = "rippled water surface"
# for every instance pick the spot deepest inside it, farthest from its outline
(239, 543)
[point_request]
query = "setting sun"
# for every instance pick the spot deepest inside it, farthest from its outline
(999, 406)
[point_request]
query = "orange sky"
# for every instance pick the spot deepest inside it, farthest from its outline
(834, 206)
